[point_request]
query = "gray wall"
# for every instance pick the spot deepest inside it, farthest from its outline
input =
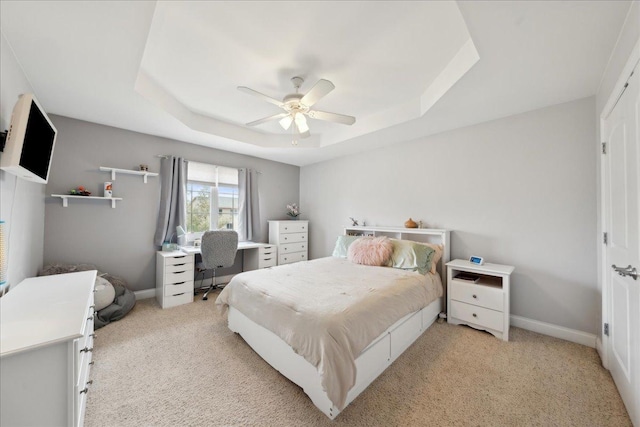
(120, 240)
(519, 190)
(21, 201)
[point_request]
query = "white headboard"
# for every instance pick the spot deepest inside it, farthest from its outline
(428, 235)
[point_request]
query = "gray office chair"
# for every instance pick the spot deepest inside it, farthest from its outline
(218, 249)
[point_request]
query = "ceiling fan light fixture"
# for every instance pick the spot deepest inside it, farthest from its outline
(286, 122)
(301, 123)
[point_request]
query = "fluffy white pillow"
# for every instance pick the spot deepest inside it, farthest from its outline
(370, 251)
(104, 293)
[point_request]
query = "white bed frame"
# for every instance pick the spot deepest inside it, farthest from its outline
(374, 359)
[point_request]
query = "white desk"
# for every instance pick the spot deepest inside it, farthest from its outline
(254, 255)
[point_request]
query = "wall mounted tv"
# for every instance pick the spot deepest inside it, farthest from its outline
(30, 141)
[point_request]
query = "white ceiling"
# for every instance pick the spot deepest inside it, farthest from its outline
(404, 69)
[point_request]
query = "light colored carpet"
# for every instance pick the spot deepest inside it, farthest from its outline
(182, 366)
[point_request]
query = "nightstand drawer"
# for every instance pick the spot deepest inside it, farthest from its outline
(289, 258)
(293, 237)
(293, 247)
(293, 227)
(478, 315)
(483, 296)
(178, 276)
(181, 259)
(178, 288)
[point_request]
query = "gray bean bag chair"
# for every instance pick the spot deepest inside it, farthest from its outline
(124, 299)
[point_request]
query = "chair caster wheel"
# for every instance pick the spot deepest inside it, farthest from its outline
(205, 298)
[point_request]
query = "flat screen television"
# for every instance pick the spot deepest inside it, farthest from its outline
(30, 141)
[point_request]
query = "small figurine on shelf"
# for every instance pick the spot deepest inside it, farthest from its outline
(80, 191)
(354, 222)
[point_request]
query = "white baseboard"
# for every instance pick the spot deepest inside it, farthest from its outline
(145, 294)
(556, 331)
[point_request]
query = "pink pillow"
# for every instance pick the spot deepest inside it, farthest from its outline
(370, 251)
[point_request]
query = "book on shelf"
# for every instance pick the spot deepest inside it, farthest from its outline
(467, 277)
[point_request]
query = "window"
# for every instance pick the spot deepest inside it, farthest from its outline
(212, 197)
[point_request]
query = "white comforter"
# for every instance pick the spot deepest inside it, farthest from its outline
(328, 310)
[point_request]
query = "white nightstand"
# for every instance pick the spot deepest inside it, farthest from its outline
(483, 304)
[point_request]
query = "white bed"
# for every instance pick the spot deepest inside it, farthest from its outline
(373, 353)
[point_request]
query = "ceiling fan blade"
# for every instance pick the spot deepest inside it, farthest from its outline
(266, 119)
(260, 95)
(332, 117)
(318, 91)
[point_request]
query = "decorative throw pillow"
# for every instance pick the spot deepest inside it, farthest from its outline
(342, 245)
(104, 293)
(409, 255)
(370, 251)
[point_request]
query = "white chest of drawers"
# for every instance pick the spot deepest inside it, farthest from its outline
(174, 278)
(291, 239)
(483, 304)
(46, 347)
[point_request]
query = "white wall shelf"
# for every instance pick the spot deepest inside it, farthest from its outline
(65, 199)
(143, 174)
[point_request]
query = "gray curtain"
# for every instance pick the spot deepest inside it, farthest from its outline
(173, 198)
(249, 209)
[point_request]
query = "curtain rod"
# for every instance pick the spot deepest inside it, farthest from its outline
(166, 156)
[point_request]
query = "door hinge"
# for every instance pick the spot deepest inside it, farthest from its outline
(604, 148)
(605, 238)
(606, 329)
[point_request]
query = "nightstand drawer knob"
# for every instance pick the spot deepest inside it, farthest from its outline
(475, 296)
(475, 315)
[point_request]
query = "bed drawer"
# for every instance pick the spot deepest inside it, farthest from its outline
(178, 288)
(293, 247)
(178, 276)
(293, 227)
(483, 296)
(293, 257)
(293, 238)
(478, 315)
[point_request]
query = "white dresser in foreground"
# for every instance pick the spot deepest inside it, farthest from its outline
(291, 239)
(46, 346)
(481, 300)
(174, 278)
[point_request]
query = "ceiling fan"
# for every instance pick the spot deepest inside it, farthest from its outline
(297, 107)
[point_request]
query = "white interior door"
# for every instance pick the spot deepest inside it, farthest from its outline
(622, 185)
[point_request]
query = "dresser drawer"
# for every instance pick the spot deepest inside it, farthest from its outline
(480, 295)
(478, 315)
(293, 227)
(293, 238)
(181, 259)
(293, 257)
(176, 277)
(172, 289)
(293, 247)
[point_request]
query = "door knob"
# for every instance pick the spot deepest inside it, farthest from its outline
(626, 271)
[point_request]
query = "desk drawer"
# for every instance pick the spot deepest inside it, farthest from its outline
(172, 289)
(271, 261)
(265, 251)
(293, 227)
(293, 257)
(293, 238)
(175, 300)
(480, 316)
(293, 247)
(181, 276)
(179, 268)
(477, 295)
(181, 259)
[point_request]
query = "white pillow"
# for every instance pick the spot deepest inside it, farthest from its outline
(104, 293)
